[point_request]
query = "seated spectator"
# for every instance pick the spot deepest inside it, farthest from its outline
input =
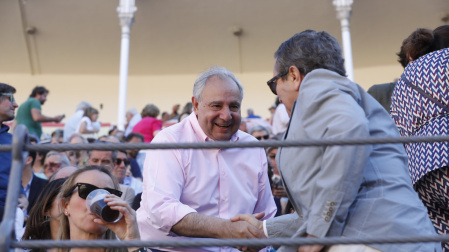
(63, 173)
(165, 117)
(107, 159)
(251, 122)
(77, 224)
(277, 187)
(174, 115)
(53, 162)
(149, 126)
(43, 221)
(88, 126)
(243, 126)
(132, 118)
(260, 133)
(120, 168)
(110, 138)
(251, 114)
(134, 155)
(78, 158)
(38, 165)
(31, 184)
(57, 136)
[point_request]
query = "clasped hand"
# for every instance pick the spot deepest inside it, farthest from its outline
(250, 227)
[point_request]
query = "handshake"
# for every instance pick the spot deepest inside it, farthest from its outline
(246, 226)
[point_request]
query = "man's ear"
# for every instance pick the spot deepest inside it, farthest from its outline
(297, 77)
(195, 105)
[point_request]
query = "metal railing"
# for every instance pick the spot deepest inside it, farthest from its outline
(20, 146)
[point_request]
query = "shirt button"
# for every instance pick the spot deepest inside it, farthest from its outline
(326, 219)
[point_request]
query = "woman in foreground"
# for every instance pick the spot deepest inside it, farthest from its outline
(78, 223)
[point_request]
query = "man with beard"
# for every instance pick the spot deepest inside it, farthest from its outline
(29, 113)
(194, 192)
(7, 107)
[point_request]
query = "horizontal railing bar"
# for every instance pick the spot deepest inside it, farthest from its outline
(205, 242)
(227, 144)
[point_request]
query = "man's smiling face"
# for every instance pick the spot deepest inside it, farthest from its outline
(218, 111)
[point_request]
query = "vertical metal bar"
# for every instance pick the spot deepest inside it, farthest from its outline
(20, 138)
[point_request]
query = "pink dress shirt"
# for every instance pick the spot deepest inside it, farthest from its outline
(213, 182)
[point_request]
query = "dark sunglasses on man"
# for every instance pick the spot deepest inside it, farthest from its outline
(84, 189)
(118, 161)
(272, 83)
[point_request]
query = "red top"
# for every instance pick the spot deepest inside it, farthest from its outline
(147, 126)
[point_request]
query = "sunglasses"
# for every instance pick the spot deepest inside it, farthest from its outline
(11, 96)
(118, 161)
(272, 83)
(84, 189)
(264, 137)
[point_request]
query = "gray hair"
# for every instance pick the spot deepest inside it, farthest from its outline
(76, 135)
(113, 152)
(83, 105)
(65, 161)
(150, 110)
(310, 50)
(215, 71)
(132, 111)
(258, 128)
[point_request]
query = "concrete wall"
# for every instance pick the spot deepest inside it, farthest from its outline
(66, 91)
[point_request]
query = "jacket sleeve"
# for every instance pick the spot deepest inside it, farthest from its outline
(284, 226)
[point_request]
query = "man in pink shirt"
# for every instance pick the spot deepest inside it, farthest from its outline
(194, 192)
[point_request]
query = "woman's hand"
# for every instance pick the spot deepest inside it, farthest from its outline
(126, 228)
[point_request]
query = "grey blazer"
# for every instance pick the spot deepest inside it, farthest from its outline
(351, 191)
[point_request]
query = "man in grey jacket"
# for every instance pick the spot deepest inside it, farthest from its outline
(350, 191)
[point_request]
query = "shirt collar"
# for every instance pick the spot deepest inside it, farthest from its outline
(200, 133)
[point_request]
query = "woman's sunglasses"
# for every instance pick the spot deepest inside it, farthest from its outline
(84, 189)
